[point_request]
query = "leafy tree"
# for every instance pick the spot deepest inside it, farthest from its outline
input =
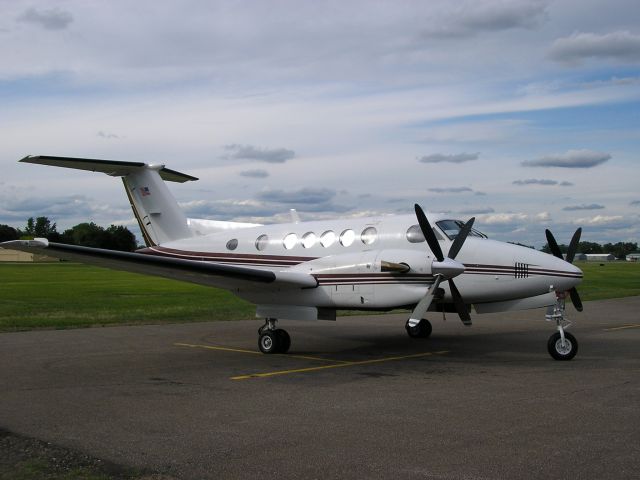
(8, 233)
(91, 235)
(620, 249)
(120, 238)
(563, 248)
(590, 247)
(41, 227)
(85, 234)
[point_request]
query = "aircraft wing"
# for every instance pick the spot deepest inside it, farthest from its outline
(202, 273)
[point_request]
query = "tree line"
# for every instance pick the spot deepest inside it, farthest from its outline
(620, 250)
(114, 237)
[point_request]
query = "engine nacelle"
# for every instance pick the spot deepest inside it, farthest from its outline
(375, 261)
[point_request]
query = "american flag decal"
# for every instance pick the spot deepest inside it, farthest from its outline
(144, 191)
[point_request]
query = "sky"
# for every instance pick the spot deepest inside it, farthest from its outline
(524, 114)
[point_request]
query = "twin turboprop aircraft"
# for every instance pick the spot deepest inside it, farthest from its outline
(308, 270)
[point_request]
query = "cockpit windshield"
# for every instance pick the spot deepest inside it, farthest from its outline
(451, 228)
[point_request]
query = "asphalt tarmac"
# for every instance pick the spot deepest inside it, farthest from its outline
(356, 398)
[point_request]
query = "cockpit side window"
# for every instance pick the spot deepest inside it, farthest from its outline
(451, 228)
(414, 234)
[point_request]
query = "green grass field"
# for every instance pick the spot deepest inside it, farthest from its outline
(65, 295)
(609, 280)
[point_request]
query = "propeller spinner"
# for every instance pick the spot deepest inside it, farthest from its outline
(443, 268)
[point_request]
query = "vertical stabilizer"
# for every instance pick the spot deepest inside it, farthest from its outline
(156, 210)
(154, 207)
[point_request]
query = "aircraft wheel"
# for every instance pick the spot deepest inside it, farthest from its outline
(559, 351)
(284, 340)
(269, 341)
(422, 330)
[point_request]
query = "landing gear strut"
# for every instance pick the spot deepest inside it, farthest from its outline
(420, 330)
(272, 339)
(561, 345)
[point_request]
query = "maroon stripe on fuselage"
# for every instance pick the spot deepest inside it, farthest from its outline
(245, 259)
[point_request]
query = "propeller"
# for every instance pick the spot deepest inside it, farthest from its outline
(443, 268)
(571, 253)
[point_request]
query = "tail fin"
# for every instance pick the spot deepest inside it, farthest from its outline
(155, 209)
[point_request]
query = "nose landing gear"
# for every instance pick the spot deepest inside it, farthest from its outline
(561, 345)
(272, 339)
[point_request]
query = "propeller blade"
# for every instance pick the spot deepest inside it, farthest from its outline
(461, 308)
(575, 299)
(573, 246)
(553, 245)
(424, 303)
(460, 238)
(429, 236)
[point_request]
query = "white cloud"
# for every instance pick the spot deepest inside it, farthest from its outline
(570, 159)
(449, 158)
(50, 19)
(269, 155)
(591, 206)
(503, 218)
(541, 181)
(254, 173)
(621, 45)
(599, 220)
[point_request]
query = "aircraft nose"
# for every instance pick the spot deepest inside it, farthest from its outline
(567, 276)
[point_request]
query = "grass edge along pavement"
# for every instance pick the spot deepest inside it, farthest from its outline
(26, 458)
(69, 295)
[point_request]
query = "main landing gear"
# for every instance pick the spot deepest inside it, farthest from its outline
(272, 339)
(561, 345)
(420, 330)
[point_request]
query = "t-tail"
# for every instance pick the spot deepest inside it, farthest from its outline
(160, 218)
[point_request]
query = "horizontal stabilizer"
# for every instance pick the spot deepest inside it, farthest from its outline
(110, 167)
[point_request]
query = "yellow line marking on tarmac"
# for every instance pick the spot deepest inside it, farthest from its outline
(344, 364)
(633, 325)
(253, 352)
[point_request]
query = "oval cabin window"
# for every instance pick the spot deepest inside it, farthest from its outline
(290, 241)
(309, 239)
(328, 238)
(369, 235)
(414, 234)
(261, 242)
(347, 237)
(232, 244)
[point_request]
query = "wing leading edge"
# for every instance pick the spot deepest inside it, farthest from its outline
(202, 273)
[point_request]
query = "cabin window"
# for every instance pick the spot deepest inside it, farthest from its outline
(290, 241)
(414, 234)
(309, 239)
(232, 244)
(261, 242)
(328, 238)
(369, 235)
(347, 237)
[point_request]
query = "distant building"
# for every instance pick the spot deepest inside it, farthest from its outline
(15, 256)
(600, 257)
(7, 255)
(633, 257)
(577, 256)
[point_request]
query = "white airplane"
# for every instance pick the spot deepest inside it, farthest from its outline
(308, 270)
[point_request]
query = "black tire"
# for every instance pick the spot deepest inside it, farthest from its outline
(560, 352)
(422, 330)
(284, 340)
(269, 342)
